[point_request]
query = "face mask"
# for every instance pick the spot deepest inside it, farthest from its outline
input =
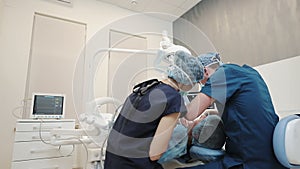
(183, 93)
(184, 96)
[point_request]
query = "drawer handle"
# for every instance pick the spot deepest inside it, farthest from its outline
(35, 137)
(54, 167)
(42, 150)
(38, 137)
(45, 127)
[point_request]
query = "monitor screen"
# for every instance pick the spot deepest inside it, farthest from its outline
(192, 95)
(46, 105)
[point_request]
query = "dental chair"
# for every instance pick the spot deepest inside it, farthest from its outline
(208, 138)
(286, 140)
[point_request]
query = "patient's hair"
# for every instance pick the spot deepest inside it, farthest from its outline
(209, 133)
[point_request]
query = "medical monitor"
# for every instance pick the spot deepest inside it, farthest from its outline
(192, 95)
(48, 106)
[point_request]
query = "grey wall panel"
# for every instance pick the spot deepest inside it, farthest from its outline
(254, 32)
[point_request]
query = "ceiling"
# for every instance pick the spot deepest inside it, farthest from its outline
(172, 9)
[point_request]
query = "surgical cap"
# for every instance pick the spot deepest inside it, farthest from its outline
(209, 58)
(186, 69)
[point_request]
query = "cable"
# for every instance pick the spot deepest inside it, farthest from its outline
(69, 154)
(40, 132)
(101, 151)
(87, 153)
(59, 147)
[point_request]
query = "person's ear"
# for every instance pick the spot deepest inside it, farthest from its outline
(205, 71)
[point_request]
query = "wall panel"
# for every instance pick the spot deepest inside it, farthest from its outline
(55, 47)
(255, 32)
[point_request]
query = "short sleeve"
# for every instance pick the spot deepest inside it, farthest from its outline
(222, 84)
(175, 104)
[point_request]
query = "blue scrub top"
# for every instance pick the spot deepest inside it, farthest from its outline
(243, 99)
(129, 141)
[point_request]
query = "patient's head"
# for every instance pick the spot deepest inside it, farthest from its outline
(209, 133)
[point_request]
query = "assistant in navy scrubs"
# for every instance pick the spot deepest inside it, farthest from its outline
(144, 126)
(243, 99)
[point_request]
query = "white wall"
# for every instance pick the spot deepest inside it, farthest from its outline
(1, 11)
(16, 20)
(283, 80)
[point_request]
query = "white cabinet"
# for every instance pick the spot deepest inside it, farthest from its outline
(32, 148)
(59, 163)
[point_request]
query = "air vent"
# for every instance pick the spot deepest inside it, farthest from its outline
(64, 2)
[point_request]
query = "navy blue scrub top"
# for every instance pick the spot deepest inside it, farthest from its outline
(129, 141)
(243, 99)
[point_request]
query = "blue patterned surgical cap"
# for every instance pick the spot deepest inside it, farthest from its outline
(209, 58)
(186, 69)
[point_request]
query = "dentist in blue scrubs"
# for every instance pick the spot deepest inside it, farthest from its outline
(246, 108)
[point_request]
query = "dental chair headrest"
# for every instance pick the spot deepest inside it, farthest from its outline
(208, 139)
(209, 133)
(286, 141)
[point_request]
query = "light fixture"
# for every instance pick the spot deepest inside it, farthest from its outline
(134, 2)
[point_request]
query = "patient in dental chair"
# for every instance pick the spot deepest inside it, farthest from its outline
(208, 138)
(203, 143)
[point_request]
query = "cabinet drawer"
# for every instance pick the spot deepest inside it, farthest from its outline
(53, 163)
(31, 136)
(38, 150)
(44, 125)
(35, 136)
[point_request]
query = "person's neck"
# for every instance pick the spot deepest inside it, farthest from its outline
(171, 82)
